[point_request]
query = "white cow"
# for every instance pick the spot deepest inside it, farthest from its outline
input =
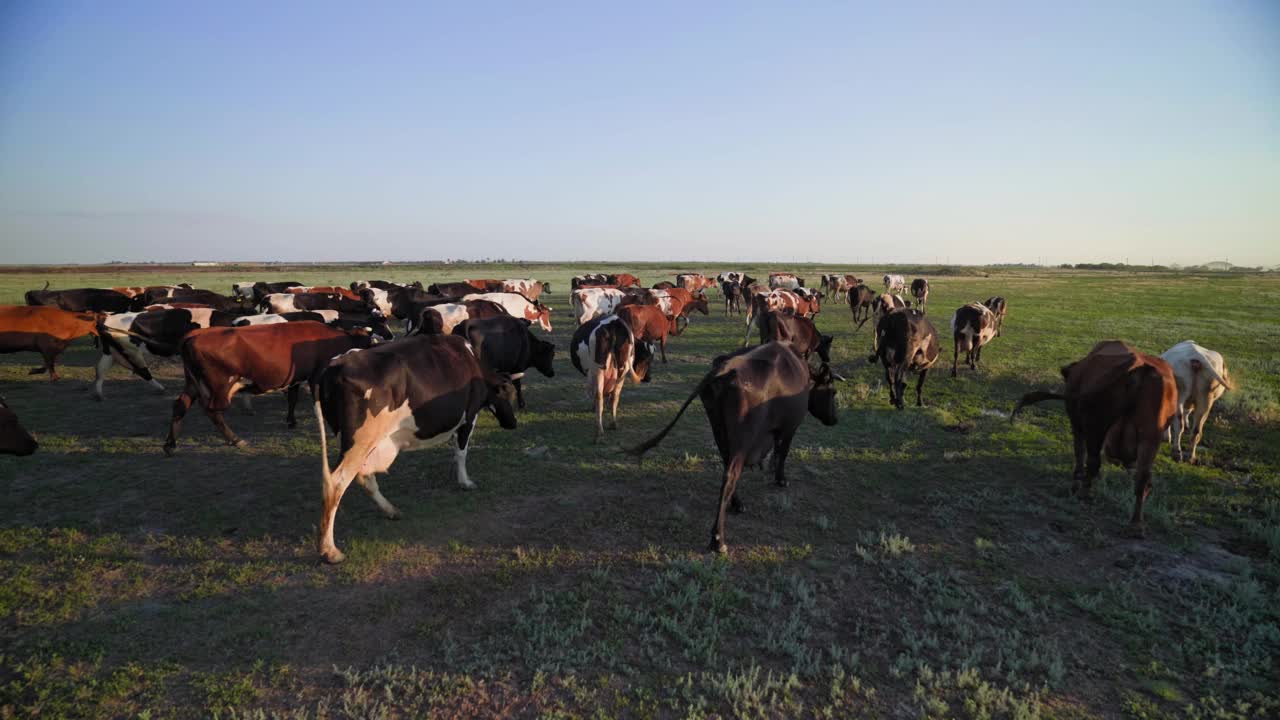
(591, 303)
(1202, 378)
(894, 283)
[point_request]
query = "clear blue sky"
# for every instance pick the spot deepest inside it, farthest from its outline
(974, 131)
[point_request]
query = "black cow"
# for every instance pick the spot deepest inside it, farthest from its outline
(861, 300)
(905, 342)
(263, 289)
(85, 300)
(755, 399)
(409, 394)
(505, 344)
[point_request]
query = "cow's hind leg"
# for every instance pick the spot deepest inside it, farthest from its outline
(616, 398)
(462, 441)
(334, 488)
(180, 407)
(1142, 482)
(920, 388)
(1199, 414)
(781, 446)
(292, 395)
(1176, 425)
(728, 487)
(955, 356)
(519, 392)
(370, 485)
(1093, 442)
(219, 420)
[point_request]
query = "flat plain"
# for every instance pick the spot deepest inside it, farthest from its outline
(922, 563)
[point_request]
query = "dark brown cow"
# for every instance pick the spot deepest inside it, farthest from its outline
(220, 362)
(14, 439)
(905, 342)
(100, 300)
(451, 289)
(410, 394)
(43, 329)
(861, 298)
(324, 290)
(1120, 402)
(920, 292)
(972, 327)
(664, 285)
(999, 308)
(732, 292)
(648, 324)
(797, 331)
(755, 399)
(207, 298)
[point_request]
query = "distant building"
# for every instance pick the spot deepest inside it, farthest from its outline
(1217, 265)
(205, 263)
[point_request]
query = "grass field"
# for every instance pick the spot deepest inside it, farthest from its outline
(924, 563)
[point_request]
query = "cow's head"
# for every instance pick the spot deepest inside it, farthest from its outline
(546, 287)
(822, 396)
(643, 361)
(501, 400)
(700, 304)
(378, 327)
(824, 347)
(542, 353)
(14, 439)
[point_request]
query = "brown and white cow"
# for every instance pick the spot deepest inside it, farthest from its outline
(1120, 402)
(972, 327)
(527, 287)
(1202, 378)
(411, 394)
(785, 281)
(999, 308)
(649, 324)
(694, 282)
(920, 292)
(442, 318)
(905, 342)
(220, 362)
(517, 306)
(14, 439)
(43, 329)
(780, 300)
(606, 352)
(755, 400)
(324, 290)
(590, 303)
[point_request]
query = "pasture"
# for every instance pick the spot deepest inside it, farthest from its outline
(922, 563)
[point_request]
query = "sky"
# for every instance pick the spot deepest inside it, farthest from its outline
(842, 132)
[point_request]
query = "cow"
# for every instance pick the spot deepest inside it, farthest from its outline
(274, 318)
(358, 285)
(407, 395)
(688, 302)
(664, 285)
(905, 342)
(262, 289)
(605, 351)
(485, 285)
(280, 303)
(1201, 376)
(861, 302)
(810, 301)
(972, 326)
(799, 332)
(407, 302)
(920, 292)
(780, 300)
(785, 281)
(517, 306)
(220, 362)
(324, 290)
(836, 285)
(96, 300)
(755, 400)
(451, 289)
(1120, 403)
(649, 324)
(527, 287)
(694, 282)
(886, 303)
(894, 283)
(441, 319)
(135, 291)
(623, 280)
(731, 290)
(207, 298)
(1000, 308)
(588, 280)
(123, 337)
(43, 329)
(590, 303)
(507, 345)
(14, 439)
(242, 290)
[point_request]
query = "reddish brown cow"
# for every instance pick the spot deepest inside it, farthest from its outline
(44, 329)
(798, 332)
(624, 280)
(220, 362)
(323, 290)
(1120, 402)
(487, 285)
(648, 324)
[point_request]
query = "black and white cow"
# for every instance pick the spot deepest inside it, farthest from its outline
(160, 332)
(606, 351)
(410, 394)
(972, 327)
(505, 344)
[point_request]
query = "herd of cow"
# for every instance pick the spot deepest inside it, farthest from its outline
(467, 345)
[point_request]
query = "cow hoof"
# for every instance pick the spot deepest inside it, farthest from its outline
(239, 444)
(169, 450)
(292, 424)
(394, 514)
(97, 397)
(783, 483)
(332, 557)
(718, 548)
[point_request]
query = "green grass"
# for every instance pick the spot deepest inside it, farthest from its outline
(924, 563)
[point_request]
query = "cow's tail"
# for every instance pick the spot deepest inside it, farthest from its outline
(1032, 398)
(1213, 373)
(651, 443)
(325, 472)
